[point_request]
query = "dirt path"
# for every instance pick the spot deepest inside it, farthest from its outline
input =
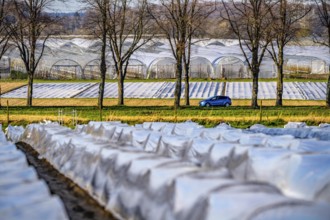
(79, 205)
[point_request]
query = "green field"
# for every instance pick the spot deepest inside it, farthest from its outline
(237, 116)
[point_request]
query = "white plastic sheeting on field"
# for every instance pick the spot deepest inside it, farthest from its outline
(53, 90)
(297, 130)
(165, 170)
(198, 90)
(22, 194)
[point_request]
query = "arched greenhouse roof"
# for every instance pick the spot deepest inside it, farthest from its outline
(228, 59)
(169, 60)
(71, 48)
(95, 62)
(162, 61)
(230, 66)
(67, 63)
(201, 67)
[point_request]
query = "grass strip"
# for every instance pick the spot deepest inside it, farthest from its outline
(237, 116)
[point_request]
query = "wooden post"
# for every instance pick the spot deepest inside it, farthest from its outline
(176, 114)
(260, 119)
(7, 112)
(74, 118)
(101, 114)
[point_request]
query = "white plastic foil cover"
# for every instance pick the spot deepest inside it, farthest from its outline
(22, 194)
(157, 171)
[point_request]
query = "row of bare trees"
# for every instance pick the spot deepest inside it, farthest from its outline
(124, 26)
(323, 11)
(264, 26)
(4, 33)
(178, 20)
(261, 26)
(23, 24)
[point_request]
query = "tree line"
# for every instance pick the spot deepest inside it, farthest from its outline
(124, 26)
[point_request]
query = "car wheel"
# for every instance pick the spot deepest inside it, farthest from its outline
(207, 105)
(227, 105)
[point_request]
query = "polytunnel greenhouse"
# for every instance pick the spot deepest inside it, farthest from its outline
(230, 67)
(136, 69)
(5, 67)
(47, 50)
(162, 68)
(92, 70)
(267, 68)
(66, 69)
(200, 67)
(71, 48)
(215, 59)
(305, 65)
(95, 47)
(17, 65)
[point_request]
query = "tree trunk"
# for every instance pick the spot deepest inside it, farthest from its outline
(103, 68)
(120, 87)
(279, 89)
(329, 38)
(255, 78)
(254, 102)
(187, 87)
(187, 56)
(101, 91)
(328, 93)
(328, 85)
(178, 75)
(280, 64)
(103, 65)
(30, 90)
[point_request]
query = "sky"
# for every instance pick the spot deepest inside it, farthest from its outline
(66, 6)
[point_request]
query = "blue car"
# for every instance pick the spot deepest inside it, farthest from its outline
(216, 101)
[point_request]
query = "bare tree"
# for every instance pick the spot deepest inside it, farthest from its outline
(172, 18)
(197, 14)
(128, 30)
(29, 29)
(250, 21)
(323, 11)
(286, 16)
(99, 20)
(4, 30)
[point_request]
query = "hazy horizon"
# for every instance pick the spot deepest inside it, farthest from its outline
(68, 6)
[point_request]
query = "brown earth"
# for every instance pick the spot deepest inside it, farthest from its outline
(9, 86)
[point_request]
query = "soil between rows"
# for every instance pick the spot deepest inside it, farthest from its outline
(78, 203)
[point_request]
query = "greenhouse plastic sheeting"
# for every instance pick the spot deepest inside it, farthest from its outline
(198, 90)
(49, 90)
(154, 171)
(321, 133)
(216, 58)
